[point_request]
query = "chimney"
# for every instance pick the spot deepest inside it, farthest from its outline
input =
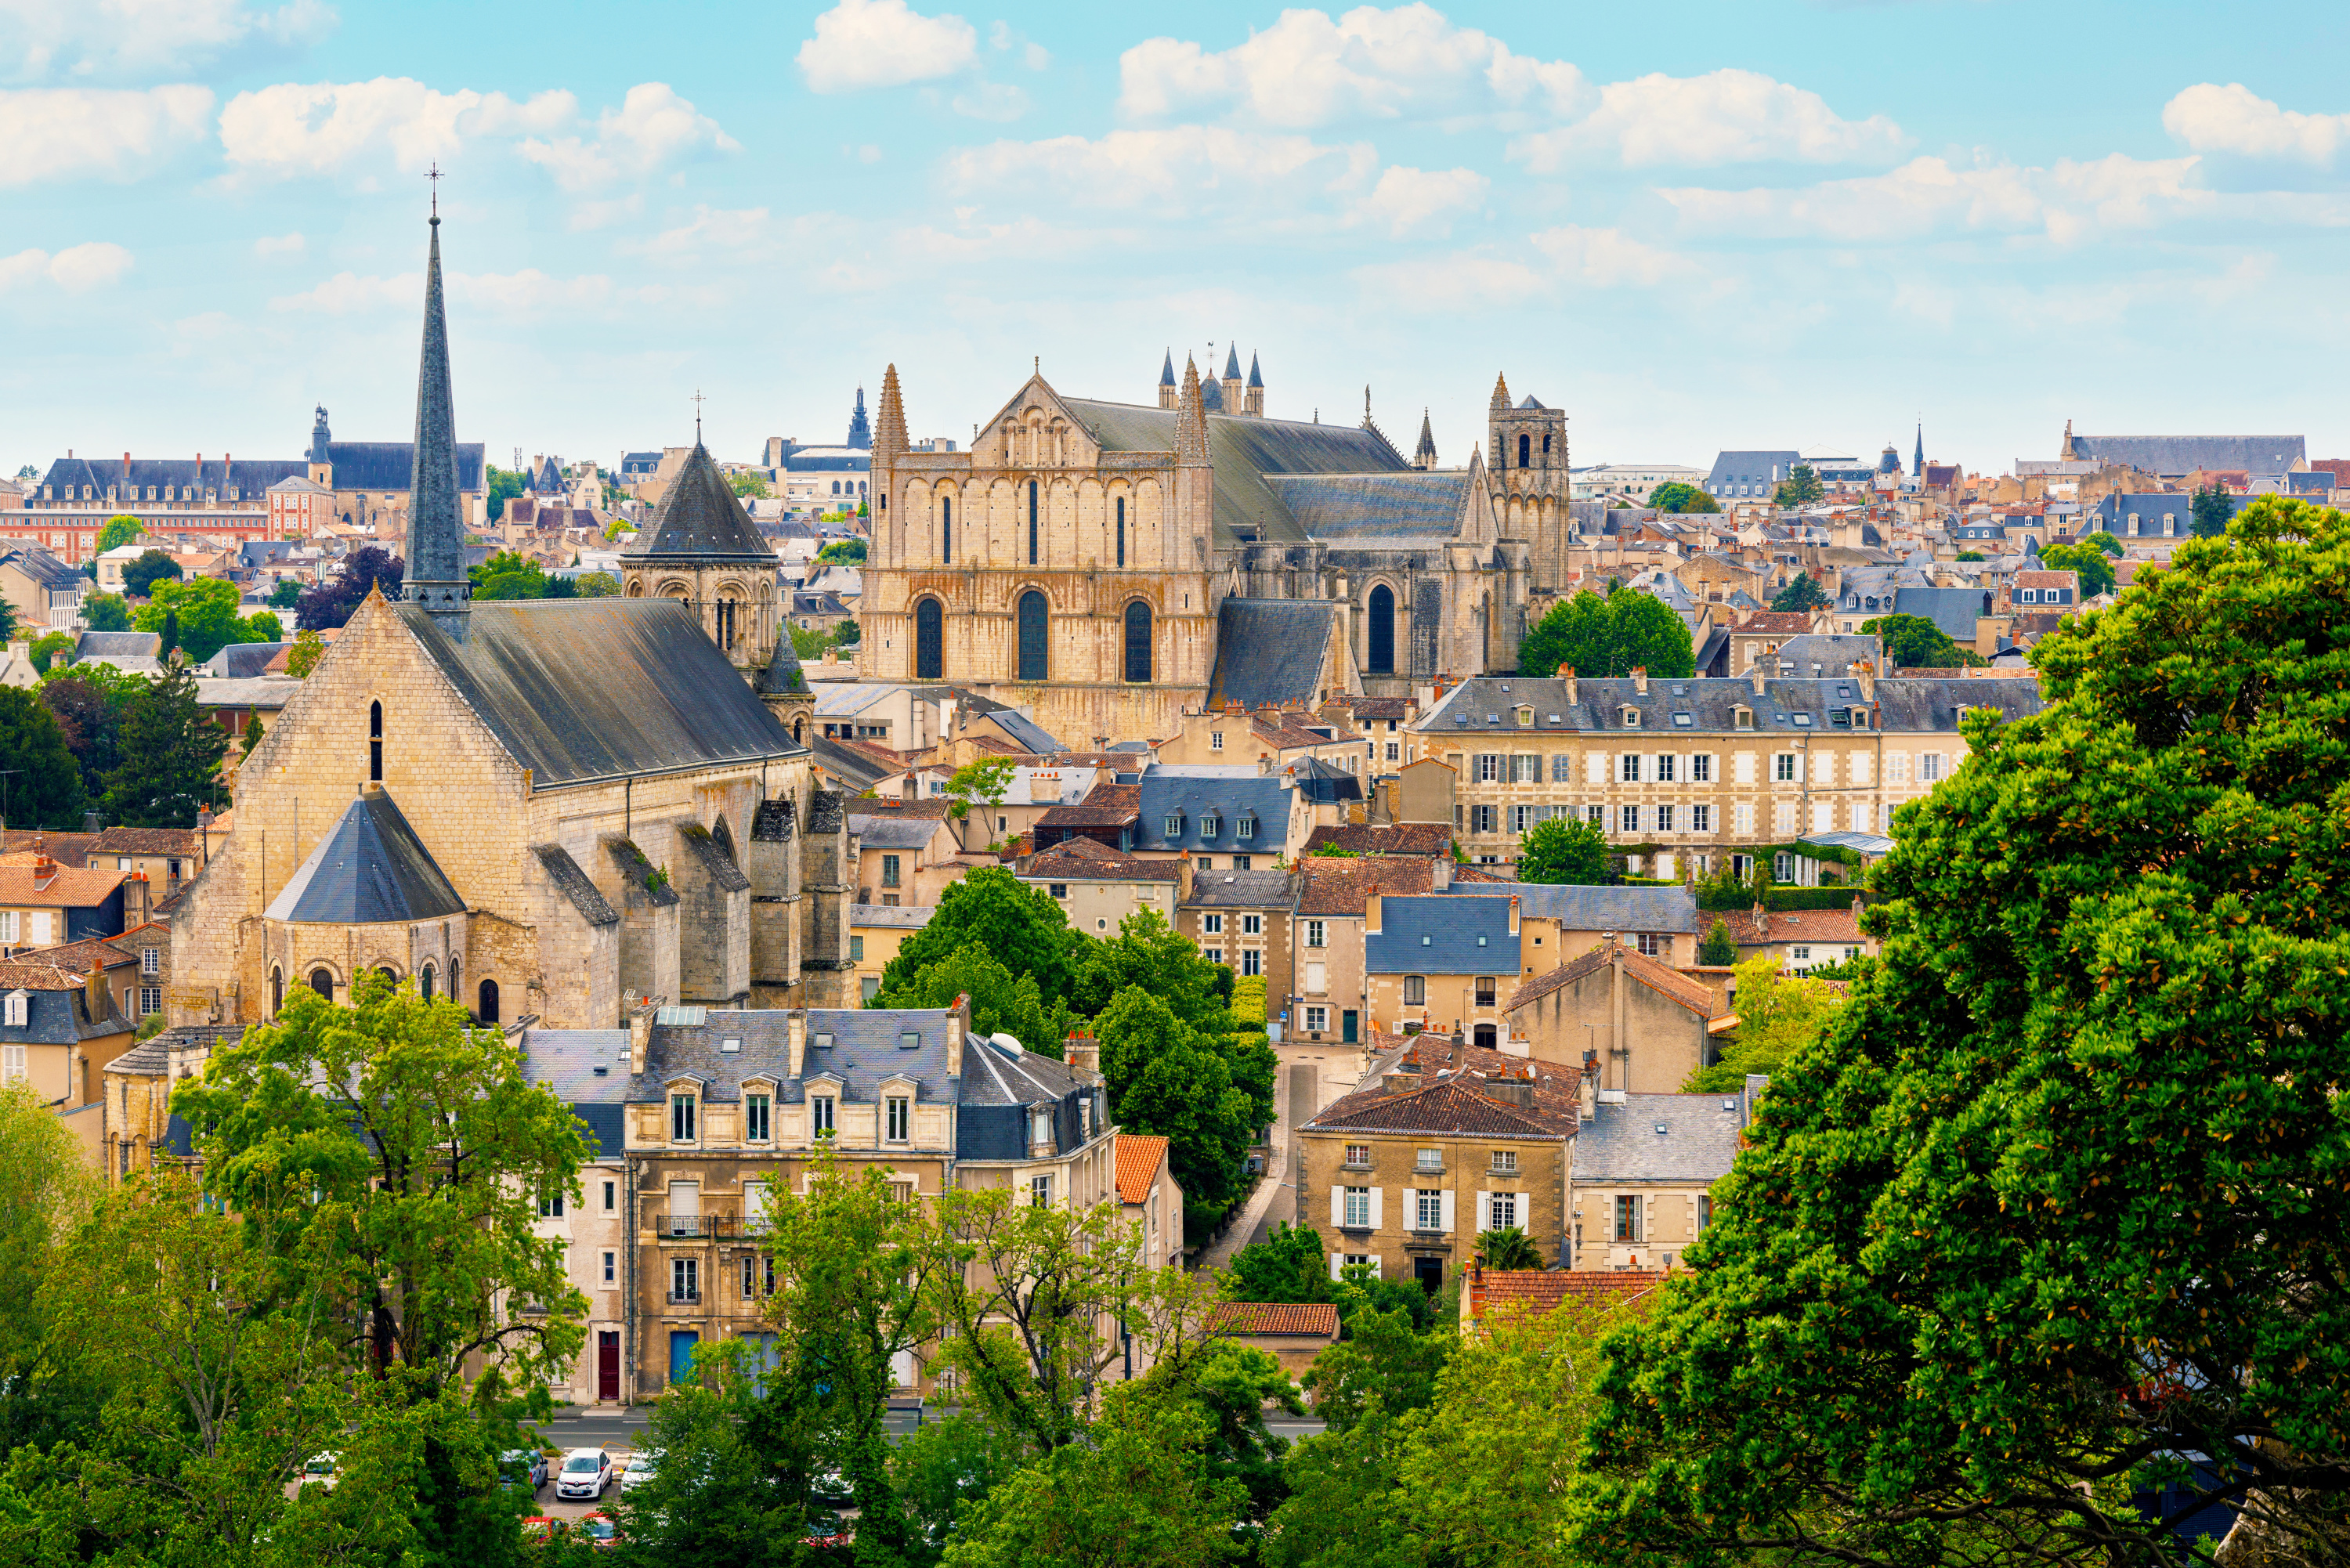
(1399, 1083)
(958, 1025)
(1640, 678)
(795, 1033)
(1440, 872)
(45, 870)
(1082, 1054)
(1588, 1091)
(640, 1033)
(1865, 673)
(1513, 914)
(1566, 679)
(1755, 674)
(138, 901)
(1371, 911)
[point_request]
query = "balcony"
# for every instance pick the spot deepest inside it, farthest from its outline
(702, 1227)
(684, 1298)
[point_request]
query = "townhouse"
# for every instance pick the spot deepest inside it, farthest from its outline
(1644, 1025)
(1445, 962)
(1644, 1169)
(1331, 993)
(1241, 918)
(1097, 888)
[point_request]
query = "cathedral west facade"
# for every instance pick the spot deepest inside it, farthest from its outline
(1117, 565)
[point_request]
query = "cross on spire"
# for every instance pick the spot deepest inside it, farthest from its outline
(434, 174)
(698, 401)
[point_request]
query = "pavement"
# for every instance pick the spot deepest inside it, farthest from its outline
(1312, 1075)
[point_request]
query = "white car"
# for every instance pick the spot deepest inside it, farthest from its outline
(320, 1470)
(640, 1470)
(585, 1472)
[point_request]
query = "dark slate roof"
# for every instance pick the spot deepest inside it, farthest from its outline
(2171, 457)
(1167, 373)
(1240, 890)
(371, 867)
(59, 1018)
(783, 674)
(1025, 731)
(889, 830)
(1195, 793)
(45, 569)
(388, 464)
(865, 1050)
(579, 690)
(1621, 1144)
(565, 873)
(993, 1075)
(589, 1070)
(1232, 362)
(1363, 507)
(151, 1057)
(1256, 377)
(1319, 781)
(1270, 652)
(716, 864)
(845, 762)
(1444, 933)
(1834, 654)
(1576, 908)
(1902, 704)
(242, 660)
(1761, 467)
(1952, 609)
(117, 645)
(1244, 452)
(701, 516)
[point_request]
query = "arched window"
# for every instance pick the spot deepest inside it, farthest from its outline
(375, 742)
(1138, 641)
(424, 983)
(456, 983)
(1525, 444)
(1032, 635)
(930, 640)
(1546, 446)
(946, 530)
(1032, 521)
(1121, 530)
(322, 980)
(1381, 651)
(488, 1011)
(389, 973)
(276, 991)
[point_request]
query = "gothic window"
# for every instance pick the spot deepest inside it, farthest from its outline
(424, 983)
(1121, 530)
(1032, 635)
(1138, 641)
(276, 991)
(1382, 631)
(930, 640)
(946, 530)
(1525, 444)
(488, 1011)
(1032, 521)
(322, 980)
(375, 742)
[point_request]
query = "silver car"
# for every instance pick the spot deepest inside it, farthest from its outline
(527, 1466)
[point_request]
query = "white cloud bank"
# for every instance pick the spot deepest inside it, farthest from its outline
(1175, 171)
(75, 270)
(2207, 118)
(2068, 202)
(114, 40)
(864, 44)
(57, 134)
(1722, 116)
(652, 128)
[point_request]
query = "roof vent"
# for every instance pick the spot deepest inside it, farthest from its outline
(1730, 1104)
(1660, 1129)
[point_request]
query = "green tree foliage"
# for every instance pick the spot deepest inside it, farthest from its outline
(1609, 637)
(842, 553)
(1971, 555)
(1802, 594)
(47, 790)
(416, 1188)
(2055, 1194)
(505, 483)
(284, 594)
(1777, 1013)
(1001, 1001)
(1022, 926)
(731, 1487)
(102, 611)
(204, 611)
(1679, 497)
(89, 701)
(119, 531)
(331, 601)
(1563, 850)
(984, 784)
(139, 577)
(508, 575)
(2211, 509)
(1289, 1265)
(2097, 567)
(597, 586)
(1508, 1248)
(252, 737)
(1719, 950)
(848, 634)
(304, 656)
(748, 485)
(49, 649)
(1801, 487)
(1914, 642)
(1208, 1094)
(2099, 539)
(45, 1194)
(7, 622)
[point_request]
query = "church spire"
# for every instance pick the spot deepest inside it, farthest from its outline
(1190, 419)
(1425, 457)
(436, 529)
(1500, 391)
(860, 433)
(1918, 463)
(889, 436)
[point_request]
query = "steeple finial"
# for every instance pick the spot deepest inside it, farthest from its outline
(436, 529)
(434, 174)
(697, 399)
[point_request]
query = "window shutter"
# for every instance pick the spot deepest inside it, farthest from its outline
(1337, 1264)
(1378, 1207)
(1595, 767)
(1483, 1211)
(1444, 1214)
(1337, 1207)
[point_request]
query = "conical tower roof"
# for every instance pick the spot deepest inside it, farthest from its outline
(890, 429)
(1426, 452)
(435, 576)
(782, 676)
(1191, 417)
(701, 517)
(1166, 371)
(370, 869)
(1256, 377)
(1232, 363)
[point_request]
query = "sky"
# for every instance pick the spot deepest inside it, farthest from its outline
(1763, 224)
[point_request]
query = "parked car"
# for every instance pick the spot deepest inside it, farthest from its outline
(597, 1531)
(541, 1531)
(641, 1465)
(585, 1472)
(321, 1470)
(827, 1487)
(829, 1533)
(524, 1467)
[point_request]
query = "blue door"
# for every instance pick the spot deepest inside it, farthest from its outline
(682, 1342)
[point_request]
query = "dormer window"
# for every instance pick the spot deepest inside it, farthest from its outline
(1174, 825)
(685, 1115)
(1210, 825)
(1246, 826)
(1743, 719)
(1525, 718)
(1631, 717)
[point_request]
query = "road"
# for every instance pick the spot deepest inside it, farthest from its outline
(1312, 1075)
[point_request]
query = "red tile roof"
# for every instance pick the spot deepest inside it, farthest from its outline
(1337, 884)
(1541, 1290)
(1775, 621)
(1667, 982)
(1429, 838)
(1794, 926)
(1140, 1156)
(66, 887)
(1312, 1318)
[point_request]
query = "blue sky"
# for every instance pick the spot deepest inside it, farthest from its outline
(1691, 225)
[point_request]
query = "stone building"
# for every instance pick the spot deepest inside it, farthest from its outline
(1644, 1169)
(1646, 1021)
(550, 809)
(1115, 565)
(703, 552)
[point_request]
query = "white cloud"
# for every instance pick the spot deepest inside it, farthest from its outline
(2208, 118)
(126, 39)
(1609, 258)
(652, 128)
(1174, 171)
(1926, 196)
(884, 43)
(1307, 70)
(348, 294)
(1486, 279)
(1722, 116)
(76, 269)
(720, 234)
(296, 128)
(991, 101)
(1416, 201)
(268, 245)
(1022, 239)
(80, 132)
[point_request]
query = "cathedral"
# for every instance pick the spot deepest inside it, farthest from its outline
(564, 810)
(1117, 565)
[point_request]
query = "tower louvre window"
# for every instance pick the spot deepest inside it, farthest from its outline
(1525, 444)
(1121, 530)
(946, 530)
(375, 742)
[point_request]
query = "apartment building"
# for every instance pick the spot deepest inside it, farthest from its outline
(1644, 1169)
(1445, 962)
(1240, 920)
(1680, 771)
(1331, 996)
(1099, 887)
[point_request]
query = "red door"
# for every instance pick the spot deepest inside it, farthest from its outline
(608, 1365)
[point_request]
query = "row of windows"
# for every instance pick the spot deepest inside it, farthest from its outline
(428, 986)
(1635, 767)
(1033, 612)
(1699, 816)
(758, 1126)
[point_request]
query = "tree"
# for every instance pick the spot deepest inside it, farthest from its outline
(1609, 637)
(748, 485)
(1777, 1011)
(1150, 953)
(7, 622)
(1718, 950)
(505, 483)
(1001, 1001)
(596, 585)
(139, 577)
(848, 634)
(119, 531)
(89, 706)
(1679, 497)
(1914, 642)
(1508, 1248)
(252, 737)
(46, 791)
(46, 1193)
(2045, 1210)
(1563, 850)
(170, 752)
(1288, 1266)
(329, 603)
(2095, 568)
(402, 1145)
(1023, 926)
(2210, 510)
(842, 553)
(45, 650)
(984, 784)
(1207, 1095)
(285, 594)
(304, 656)
(1803, 593)
(1971, 555)
(102, 611)
(1801, 487)
(203, 612)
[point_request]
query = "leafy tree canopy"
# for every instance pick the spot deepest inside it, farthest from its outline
(748, 485)
(47, 789)
(118, 532)
(170, 751)
(994, 911)
(139, 578)
(329, 603)
(983, 783)
(1609, 637)
(204, 611)
(1801, 487)
(102, 611)
(1563, 850)
(1677, 496)
(1801, 593)
(2097, 567)
(285, 594)
(1914, 642)
(1777, 1011)
(304, 656)
(2209, 509)
(505, 483)
(49, 649)
(1718, 950)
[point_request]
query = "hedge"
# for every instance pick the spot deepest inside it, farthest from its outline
(1248, 999)
(1782, 899)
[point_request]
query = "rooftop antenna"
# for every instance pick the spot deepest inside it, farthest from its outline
(434, 174)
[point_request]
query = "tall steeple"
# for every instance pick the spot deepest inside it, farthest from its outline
(860, 433)
(436, 525)
(1190, 419)
(1918, 463)
(1168, 391)
(891, 435)
(1425, 457)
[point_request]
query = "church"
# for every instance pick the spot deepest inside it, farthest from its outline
(1117, 565)
(560, 810)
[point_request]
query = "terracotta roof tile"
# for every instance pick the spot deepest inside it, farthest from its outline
(1104, 806)
(1430, 838)
(1111, 865)
(1794, 926)
(1334, 885)
(147, 841)
(1313, 1318)
(1139, 1157)
(1541, 1290)
(1453, 1101)
(80, 957)
(1666, 981)
(69, 887)
(17, 974)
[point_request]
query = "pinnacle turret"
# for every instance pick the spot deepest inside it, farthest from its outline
(1424, 457)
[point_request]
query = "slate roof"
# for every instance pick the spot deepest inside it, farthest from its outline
(2174, 457)
(1270, 652)
(1952, 609)
(1429, 838)
(565, 873)
(45, 569)
(1427, 506)
(865, 1050)
(1025, 731)
(117, 645)
(887, 831)
(56, 1007)
(1620, 1143)
(371, 867)
(1243, 450)
(1442, 934)
(1240, 890)
(1195, 793)
(1578, 908)
(583, 690)
(856, 766)
(1834, 655)
(700, 516)
(1930, 704)
(239, 660)
(1666, 981)
(995, 1075)
(1140, 1156)
(151, 1057)
(1328, 885)
(1312, 1320)
(902, 917)
(783, 673)
(1763, 467)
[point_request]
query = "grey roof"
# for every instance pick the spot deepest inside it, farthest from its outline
(62, 1018)
(1164, 792)
(1270, 652)
(783, 673)
(265, 692)
(1240, 890)
(716, 863)
(1952, 609)
(1026, 731)
(589, 1070)
(701, 516)
(1256, 377)
(1834, 655)
(1579, 909)
(1432, 933)
(1366, 507)
(371, 867)
(384, 465)
(565, 873)
(579, 690)
(1316, 780)
(240, 659)
(1862, 843)
(1759, 466)
(846, 763)
(118, 645)
(45, 569)
(1902, 705)
(891, 830)
(903, 916)
(1166, 374)
(994, 1075)
(1232, 362)
(2172, 457)
(1621, 1144)
(865, 1050)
